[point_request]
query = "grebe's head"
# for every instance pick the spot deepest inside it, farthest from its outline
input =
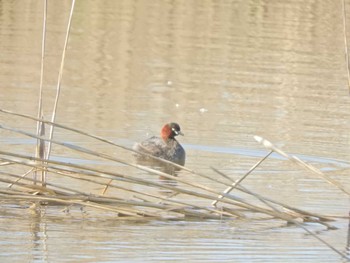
(170, 130)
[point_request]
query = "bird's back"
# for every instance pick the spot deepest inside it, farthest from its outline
(169, 150)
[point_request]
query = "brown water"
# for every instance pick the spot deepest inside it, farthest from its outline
(224, 70)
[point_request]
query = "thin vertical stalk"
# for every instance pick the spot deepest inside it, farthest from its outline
(43, 43)
(235, 184)
(60, 74)
(346, 43)
(40, 103)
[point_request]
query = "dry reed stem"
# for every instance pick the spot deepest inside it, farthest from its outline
(106, 187)
(346, 42)
(43, 42)
(301, 163)
(39, 130)
(36, 188)
(5, 163)
(22, 177)
(235, 184)
(58, 89)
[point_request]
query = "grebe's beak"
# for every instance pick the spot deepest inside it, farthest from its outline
(177, 132)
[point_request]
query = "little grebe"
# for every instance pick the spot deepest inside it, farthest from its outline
(166, 147)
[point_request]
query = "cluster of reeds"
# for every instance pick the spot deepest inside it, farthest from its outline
(221, 203)
(185, 199)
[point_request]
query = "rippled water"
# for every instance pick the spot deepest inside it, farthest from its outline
(224, 70)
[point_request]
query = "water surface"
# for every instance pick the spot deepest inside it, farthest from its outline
(225, 71)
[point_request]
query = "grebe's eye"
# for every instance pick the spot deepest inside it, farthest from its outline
(176, 132)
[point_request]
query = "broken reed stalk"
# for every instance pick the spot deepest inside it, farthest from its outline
(22, 177)
(39, 128)
(235, 184)
(346, 42)
(301, 163)
(58, 89)
(106, 187)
